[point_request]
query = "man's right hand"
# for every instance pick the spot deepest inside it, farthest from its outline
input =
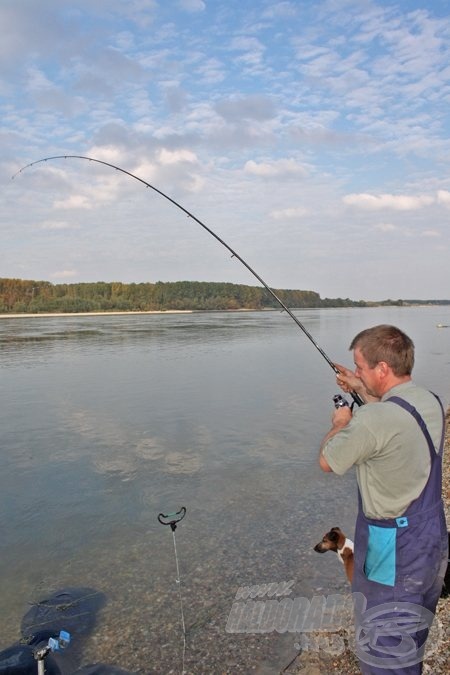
(348, 382)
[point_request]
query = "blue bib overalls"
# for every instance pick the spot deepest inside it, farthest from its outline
(398, 574)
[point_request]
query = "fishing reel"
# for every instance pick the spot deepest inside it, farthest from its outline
(339, 401)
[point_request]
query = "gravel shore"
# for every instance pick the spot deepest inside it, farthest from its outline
(316, 661)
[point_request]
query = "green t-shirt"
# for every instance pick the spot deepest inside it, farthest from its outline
(388, 449)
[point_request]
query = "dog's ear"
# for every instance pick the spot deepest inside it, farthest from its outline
(334, 534)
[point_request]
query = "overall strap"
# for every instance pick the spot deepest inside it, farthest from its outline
(411, 409)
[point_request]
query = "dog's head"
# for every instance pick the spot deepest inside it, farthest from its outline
(331, 541)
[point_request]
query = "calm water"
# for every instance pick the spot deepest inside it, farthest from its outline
(107, 421)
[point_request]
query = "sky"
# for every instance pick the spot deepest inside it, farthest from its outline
(313, 137)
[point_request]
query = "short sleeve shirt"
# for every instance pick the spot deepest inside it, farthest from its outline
(387, 447)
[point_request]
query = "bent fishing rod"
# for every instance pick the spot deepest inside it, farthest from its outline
(356, 398)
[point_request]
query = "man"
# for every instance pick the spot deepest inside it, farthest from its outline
(395, 442)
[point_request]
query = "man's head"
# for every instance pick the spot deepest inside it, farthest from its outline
(384, 356)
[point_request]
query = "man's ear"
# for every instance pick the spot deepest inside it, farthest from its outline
(383, 368)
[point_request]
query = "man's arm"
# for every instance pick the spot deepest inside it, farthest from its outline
(341, 417)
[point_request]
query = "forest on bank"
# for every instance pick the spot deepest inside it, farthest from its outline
(19, 296)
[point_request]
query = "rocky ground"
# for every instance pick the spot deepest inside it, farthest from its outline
(317, 661)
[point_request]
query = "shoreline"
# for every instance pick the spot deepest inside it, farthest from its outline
(107, 313)
(37, 315)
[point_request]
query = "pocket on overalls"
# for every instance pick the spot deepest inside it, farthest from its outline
(380, 560)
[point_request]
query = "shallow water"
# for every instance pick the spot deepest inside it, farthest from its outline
(108, 421)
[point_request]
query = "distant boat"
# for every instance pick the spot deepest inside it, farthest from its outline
(442, 325)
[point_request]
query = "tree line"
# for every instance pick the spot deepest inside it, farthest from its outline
(27, 296)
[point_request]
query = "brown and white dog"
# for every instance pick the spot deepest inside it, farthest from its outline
(335, 540)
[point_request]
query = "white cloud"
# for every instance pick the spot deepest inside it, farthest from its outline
(443, 197)
(73, 202)
(56, 225)
(176, 156)
(106, 153)
(281, 10)
(192, 5)
(194, 183)
(386, 227)
(211, 71)
(277, 168)
(37, 79)
(252, 107)
(246, 44)
(288, 213)
(387, 201)
(64, 274)
(145, 170)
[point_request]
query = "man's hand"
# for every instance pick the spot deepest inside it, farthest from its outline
(341, 417)
(348, 382)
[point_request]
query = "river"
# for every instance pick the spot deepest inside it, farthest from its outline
(107, 421)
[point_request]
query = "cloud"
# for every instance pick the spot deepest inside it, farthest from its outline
(282, 214)
(275, 169)
(281, 10)
(175, 156)
(387, 201)
(38, 80)
(176, 98)
(386, 227)
(443, 197)
(211, 71)
(252, 107)
(106, 153)
(73, 202)
(145, 170)
(64, 274)
(251, 51)
(192, 5)
(56, 225)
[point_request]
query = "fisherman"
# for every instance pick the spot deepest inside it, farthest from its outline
(395, 442)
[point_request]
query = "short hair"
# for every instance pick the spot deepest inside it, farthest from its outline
(386, 343)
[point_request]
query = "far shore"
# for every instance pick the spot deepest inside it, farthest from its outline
(37, 315)
(50, 314)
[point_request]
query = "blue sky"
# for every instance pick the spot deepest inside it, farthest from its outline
(312, 136)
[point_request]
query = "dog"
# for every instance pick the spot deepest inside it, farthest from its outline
(335, 540)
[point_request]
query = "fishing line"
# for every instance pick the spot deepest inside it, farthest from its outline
(173, 519)
(356, 398)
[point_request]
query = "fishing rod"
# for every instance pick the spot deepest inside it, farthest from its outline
(356, 398)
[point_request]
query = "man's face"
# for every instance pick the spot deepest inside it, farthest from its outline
(368, 376)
